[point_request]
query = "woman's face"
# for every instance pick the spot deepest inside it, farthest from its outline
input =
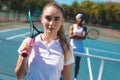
(52, 19)
(79, 20)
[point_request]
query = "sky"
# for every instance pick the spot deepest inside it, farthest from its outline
(69, 2)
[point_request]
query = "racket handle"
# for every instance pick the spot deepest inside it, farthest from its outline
(76, 38)
(31, 41)
(25, 52)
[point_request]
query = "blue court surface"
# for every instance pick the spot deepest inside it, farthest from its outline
(101, 60)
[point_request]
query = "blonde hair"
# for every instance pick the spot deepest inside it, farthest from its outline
(61, 34)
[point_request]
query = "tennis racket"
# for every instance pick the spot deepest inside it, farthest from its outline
(34, 13)
(93, 34)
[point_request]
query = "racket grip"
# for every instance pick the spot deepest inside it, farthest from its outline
(31, 41)
(76, 38)
(25, 52)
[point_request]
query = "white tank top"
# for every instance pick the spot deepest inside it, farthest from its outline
(75, 30)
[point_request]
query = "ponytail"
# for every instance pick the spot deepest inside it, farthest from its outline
(65, 44)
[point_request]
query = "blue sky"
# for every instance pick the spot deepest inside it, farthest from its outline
(69, 2)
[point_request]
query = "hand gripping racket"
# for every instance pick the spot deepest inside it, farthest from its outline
(34, 13)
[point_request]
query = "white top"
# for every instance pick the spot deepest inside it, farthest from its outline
(77, 45)
(46, 62)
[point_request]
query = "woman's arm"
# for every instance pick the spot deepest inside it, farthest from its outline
(67, 71)
(83, 35)
(22, 63)
(21, 67)
(71, 35)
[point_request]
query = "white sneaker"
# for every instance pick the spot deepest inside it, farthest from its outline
(75, 79)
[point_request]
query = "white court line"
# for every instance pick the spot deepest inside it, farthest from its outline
(106, 51)
(6, 30)
(89, 65)
(15, 36)
(101, 69)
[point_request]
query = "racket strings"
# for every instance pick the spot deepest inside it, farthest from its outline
(93, 34)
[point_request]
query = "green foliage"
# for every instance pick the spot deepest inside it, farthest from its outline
(97, 13)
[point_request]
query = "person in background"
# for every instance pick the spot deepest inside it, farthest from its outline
(77, 34)
(50, 56)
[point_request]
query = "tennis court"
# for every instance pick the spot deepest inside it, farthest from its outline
(100, 62)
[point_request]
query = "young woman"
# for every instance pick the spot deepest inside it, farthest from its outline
(77, 33)
(50, 56)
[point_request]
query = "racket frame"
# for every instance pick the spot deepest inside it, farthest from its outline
(95, 31)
